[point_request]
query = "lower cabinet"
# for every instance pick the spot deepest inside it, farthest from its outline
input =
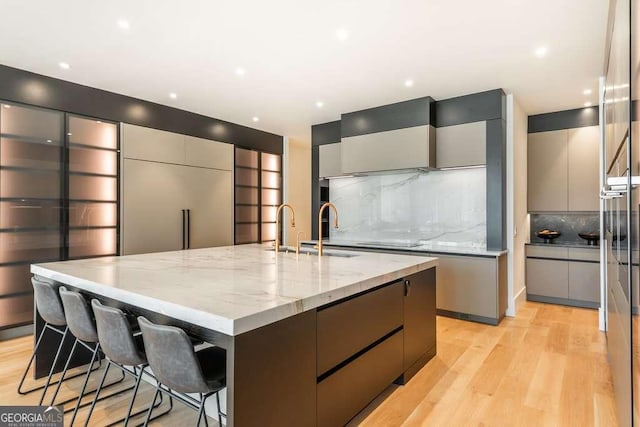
(344, 393)
(563, 275)
(368, 341)
(472, 287)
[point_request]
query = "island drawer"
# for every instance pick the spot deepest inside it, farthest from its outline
(344, 393)
(348, 327)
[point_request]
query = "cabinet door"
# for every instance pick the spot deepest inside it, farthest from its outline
(152, 203)
(547, 171)
(208, 154)
(584, 281)
(584, 166)
(548, 278)
(209, 197)
(152, 144)
(419, 315)
(467, 285)
(461, 145)
(330, 160)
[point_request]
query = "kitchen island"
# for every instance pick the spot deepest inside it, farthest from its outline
(308, 339)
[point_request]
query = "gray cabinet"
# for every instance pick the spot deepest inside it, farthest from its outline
(569, 276)
(461, 145)
(330, 160)
(548, 278)
(563, 170)
(472, 287)
(583, 166)
(383, 151)
(547, 171)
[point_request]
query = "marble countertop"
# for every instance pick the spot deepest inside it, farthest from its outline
(232, 289)
(429, 247)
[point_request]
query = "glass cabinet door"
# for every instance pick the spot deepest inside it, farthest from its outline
(31, 203)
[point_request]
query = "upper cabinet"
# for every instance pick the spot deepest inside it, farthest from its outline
(330, 160)
(563, 170)
(155, 145)
(461, 145)
(390, 150)
(583, 169)
(547, 171)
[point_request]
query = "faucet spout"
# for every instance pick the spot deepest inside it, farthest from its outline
(335, 223)
(293, 223)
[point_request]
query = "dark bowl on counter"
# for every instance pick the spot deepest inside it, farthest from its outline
(592, 238)
(548, 235)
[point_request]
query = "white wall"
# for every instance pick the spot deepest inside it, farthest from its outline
(517, 218)
(297, 188)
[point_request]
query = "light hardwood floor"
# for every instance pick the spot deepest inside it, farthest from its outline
(546, 367)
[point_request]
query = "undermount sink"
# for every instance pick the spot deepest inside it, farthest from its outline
(314, 252)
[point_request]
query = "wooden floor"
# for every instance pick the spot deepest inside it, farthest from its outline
(546, 367)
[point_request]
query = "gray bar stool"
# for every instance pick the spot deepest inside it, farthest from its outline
(180, 369)
(81, 325)
(50, 308)
(122, 349)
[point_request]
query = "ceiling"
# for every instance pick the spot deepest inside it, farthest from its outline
(293, 55)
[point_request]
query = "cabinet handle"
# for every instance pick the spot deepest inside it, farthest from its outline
(407, 287)
(184, 231)
(188, 228)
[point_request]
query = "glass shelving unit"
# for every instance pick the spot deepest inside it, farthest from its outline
(258, 193)
(58, 197)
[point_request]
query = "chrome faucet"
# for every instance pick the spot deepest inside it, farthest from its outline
(335, 223)
(293, 223)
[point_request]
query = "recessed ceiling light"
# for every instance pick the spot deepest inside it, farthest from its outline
(173, 95)
(342, 34)
(6, 106)
(240, 71)
(408, 83)
(588, 104)
(69, 133)
(587, 92)
(124, 24)
(64, 65)
(541, 51)
(48, 140)
(256, 119)
(319, 104)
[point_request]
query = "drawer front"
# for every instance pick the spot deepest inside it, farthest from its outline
(345, 393)
(584, 254)
(348, 327)
(547, 252)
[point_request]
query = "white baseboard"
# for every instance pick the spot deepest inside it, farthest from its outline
(517, 302)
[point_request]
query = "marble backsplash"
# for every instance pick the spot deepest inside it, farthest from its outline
(568, 224)
(447, 207)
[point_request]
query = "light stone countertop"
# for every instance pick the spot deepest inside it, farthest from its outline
(422, 247)
(232, 289)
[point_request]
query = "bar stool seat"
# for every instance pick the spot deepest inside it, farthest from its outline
(179, 369)
(122, 348)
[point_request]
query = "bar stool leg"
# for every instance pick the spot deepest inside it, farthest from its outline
(64, 371)
(133, 398)
(33, 356)
(153, 402)
(95, 397)
(86, 380)
(219, 409)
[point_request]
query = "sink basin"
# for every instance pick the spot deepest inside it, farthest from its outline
(314, 252)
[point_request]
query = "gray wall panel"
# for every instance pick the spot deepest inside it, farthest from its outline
(470, 108)
(325, 133)
(496, 185)
(416, 112)
(580, 117)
